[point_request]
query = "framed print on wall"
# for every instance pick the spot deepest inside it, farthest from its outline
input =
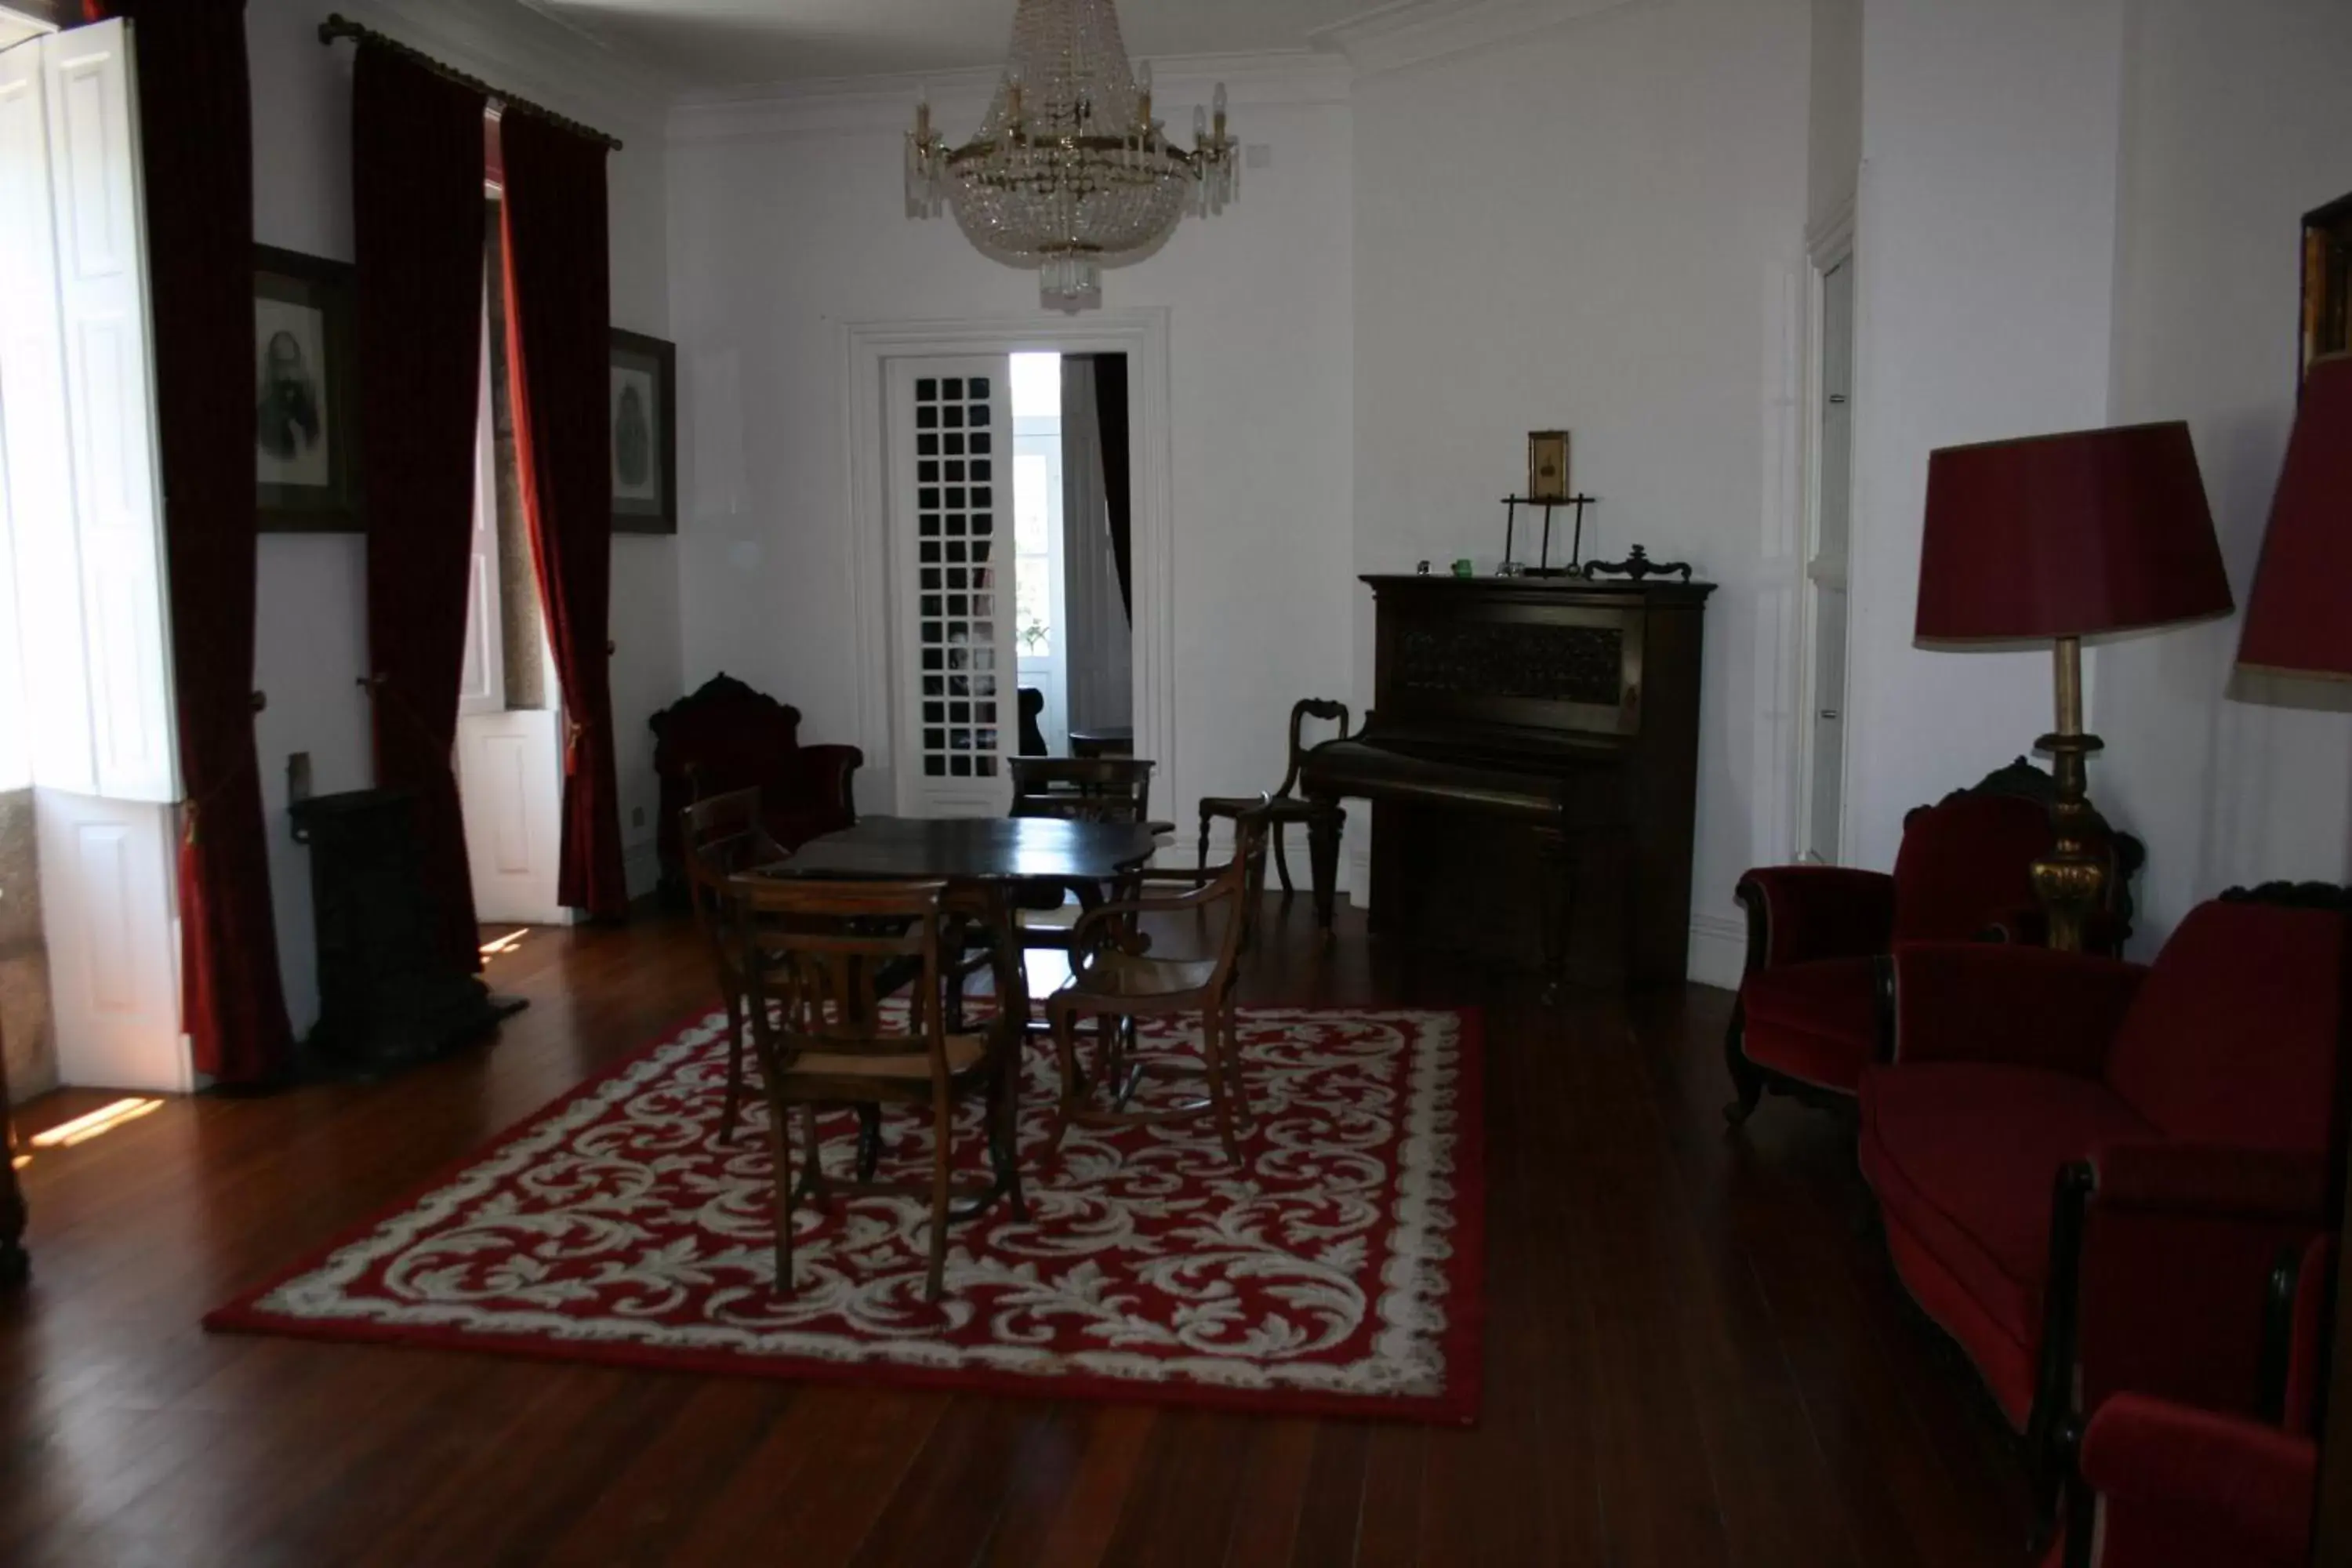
(306, 439)
(643, 411)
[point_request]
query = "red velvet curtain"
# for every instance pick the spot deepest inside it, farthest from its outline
(558, 325)
(417, 210)
(195, 121)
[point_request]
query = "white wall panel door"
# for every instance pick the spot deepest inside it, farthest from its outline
(950, 484)
(510, 777)
(47, 603)
(111, 923)
(101, 272)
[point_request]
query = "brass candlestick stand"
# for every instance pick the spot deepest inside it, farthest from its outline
(2072, 879)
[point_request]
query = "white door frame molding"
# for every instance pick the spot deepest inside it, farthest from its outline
(1827, 247)
(1142, 335)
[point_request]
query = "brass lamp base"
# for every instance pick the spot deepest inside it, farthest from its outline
(2072, 879)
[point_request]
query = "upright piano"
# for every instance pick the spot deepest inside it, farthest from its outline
(1531, 759)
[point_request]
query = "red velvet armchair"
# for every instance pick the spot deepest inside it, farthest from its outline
(2086, 1168)
(726, 736)
(2171, 1485)
(1813, 1004)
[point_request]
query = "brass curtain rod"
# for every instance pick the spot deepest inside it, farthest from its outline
(337, 26)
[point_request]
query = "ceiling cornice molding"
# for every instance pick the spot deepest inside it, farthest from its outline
(1410, 32)
(517, 46)
(868, 103)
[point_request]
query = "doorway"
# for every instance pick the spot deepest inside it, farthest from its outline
(1829, 527)
(993, 460)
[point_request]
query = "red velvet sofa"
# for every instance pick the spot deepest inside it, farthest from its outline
(726, 736)
(1812, 1010)
(2177, 1486)
(2086, 1168)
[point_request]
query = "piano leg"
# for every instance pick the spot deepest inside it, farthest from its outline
(1560, 868)
(1323, 853)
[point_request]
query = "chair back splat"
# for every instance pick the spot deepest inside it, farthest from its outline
(1082, 789)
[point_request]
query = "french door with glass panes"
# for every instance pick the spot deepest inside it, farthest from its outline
(950, 492)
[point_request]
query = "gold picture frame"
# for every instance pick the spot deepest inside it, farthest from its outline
(1548, 465)
(2327, 281)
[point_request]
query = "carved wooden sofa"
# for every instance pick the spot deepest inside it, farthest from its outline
(726, 736)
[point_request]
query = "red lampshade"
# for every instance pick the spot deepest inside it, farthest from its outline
(2299, 619)
(2052, 536)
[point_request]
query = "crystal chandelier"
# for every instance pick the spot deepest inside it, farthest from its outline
(1069, 172)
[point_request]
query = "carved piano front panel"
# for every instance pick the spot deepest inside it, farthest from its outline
(1565, 667)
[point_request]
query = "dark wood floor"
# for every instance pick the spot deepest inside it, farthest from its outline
(1691, 1358)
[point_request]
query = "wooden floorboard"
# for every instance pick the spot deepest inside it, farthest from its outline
(1694, 1355)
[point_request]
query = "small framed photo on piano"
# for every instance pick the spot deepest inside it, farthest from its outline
(1547, 465)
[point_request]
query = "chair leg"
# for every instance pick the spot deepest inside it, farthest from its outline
(734, 1071)
(1006, 1107)
(1281, 860)
(870, 1140)
(943, 1147)
(780, 1162)
(1232, 1043)
(1747, 1083)
(1066, 1048)
(813, 1175)
(1213, 1054)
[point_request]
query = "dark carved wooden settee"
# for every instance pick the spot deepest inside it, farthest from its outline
(726, 736)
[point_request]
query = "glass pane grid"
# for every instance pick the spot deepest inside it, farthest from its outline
(955, 605)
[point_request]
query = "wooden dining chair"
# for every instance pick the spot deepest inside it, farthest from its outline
(720, 837)
(809, 951)
(1082, 789)
(1076, 789)
(1286, 806)
(1117, 980)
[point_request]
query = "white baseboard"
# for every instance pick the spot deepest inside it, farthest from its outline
(1718, 951)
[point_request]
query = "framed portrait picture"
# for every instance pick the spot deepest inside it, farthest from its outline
(1547, 465)
(643, 405)
(2326, 282)
(306, 439)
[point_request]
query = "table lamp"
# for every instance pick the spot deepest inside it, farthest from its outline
(2057, 538)
(2296, 624)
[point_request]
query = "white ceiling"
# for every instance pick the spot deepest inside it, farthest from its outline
(730, 43)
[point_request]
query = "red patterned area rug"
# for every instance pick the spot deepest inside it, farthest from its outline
(1340, 1273)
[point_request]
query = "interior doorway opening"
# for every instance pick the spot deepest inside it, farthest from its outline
(1015, 459)
(1821, 826)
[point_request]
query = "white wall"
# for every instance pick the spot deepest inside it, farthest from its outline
(1985, 258)
(787, 221)
(2236, 124)
(1833, 144)
(311, 642)
(1600, 227)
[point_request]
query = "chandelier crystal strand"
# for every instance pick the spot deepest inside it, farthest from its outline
(1070, 171)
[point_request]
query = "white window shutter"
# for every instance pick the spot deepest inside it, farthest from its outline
(48, 607)
(111, 409)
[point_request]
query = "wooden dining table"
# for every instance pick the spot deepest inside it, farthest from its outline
(985, 858)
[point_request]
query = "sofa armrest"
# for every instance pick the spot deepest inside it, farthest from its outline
(1800, 913)
(2206, 1179)
(2160, 1271)
(1992, 1002)
(2164, 1466)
